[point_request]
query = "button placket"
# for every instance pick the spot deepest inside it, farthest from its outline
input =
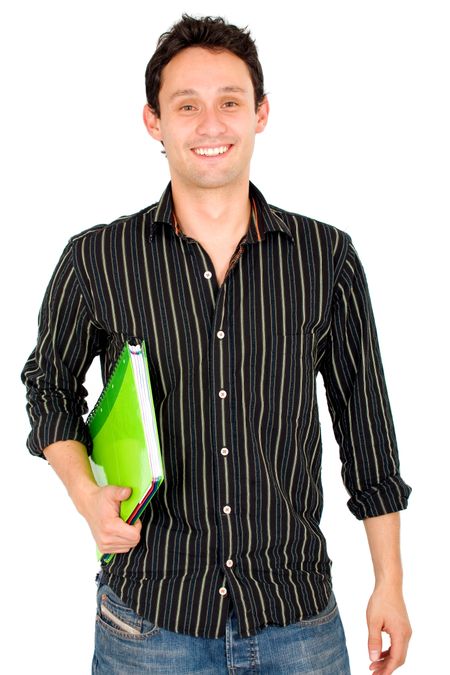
(225, 494)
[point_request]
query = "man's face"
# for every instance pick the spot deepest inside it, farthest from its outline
(207, 118)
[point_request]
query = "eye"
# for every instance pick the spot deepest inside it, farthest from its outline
(230, 104)
(187, 107)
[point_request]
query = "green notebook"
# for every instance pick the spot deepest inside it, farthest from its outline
(126, 449)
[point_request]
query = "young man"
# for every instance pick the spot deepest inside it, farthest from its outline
(240, 305)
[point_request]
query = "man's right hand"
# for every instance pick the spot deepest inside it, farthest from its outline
(102, 513)
(100, 506)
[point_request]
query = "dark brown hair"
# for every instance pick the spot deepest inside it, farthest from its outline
(210, 33)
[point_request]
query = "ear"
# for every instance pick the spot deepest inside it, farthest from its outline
(262, 115)
(152, 123)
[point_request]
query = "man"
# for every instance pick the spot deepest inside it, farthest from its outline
(240, 305)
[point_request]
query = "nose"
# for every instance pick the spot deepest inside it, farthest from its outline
(210, 123)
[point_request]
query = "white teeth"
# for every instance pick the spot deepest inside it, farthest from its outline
(211, 152)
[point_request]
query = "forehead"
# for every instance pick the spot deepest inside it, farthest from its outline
(201, 70)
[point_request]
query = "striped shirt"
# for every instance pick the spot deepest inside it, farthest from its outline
(233, 368)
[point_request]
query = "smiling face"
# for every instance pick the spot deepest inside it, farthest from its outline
(208, 120)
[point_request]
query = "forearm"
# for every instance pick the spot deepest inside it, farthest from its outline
(70, 461)
(386, 611)
(383, 534)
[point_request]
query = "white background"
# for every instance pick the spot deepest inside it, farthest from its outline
(358, 137)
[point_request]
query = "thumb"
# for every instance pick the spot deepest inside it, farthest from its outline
(374, 642)
(119, 493)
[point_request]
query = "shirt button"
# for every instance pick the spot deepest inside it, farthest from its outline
(222, 393)
(224, 451)
(229, 563)
(207, 274)
(227, 509)
(220, 334)
(222, 591)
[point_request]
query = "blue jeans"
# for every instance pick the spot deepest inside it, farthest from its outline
(127, 644)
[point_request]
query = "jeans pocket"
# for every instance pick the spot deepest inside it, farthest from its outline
(118, 619)
(328, 614)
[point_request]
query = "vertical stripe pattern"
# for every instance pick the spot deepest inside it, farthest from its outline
(234, 370)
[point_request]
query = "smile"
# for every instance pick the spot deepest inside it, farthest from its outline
(212, 152)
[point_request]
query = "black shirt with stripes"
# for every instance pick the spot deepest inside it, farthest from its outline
(233, 369)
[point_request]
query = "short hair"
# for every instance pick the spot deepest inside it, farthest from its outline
(212, 33)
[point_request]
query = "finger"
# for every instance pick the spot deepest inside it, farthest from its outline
(124, 532)
(384, 669)
(115, 539)
(114, 549)
(377, 666)
(115, 531)
(397, 651)
(374, 642)
(383, 655)
(384, 666)
(116, 493)
(111, 544)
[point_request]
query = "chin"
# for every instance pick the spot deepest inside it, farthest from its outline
(213, 181)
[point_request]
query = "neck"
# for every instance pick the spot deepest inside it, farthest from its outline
(212, 214)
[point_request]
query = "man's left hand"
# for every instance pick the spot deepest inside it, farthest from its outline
(386, 612)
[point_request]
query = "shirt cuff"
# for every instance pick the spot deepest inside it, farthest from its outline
(57, 427)
(389, 496)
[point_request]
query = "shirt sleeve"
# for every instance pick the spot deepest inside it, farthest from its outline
(68, 340)
(358, 401)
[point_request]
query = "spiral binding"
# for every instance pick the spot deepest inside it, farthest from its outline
(110, 378)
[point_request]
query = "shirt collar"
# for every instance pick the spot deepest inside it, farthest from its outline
(263, 217)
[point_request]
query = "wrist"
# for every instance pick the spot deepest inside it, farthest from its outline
(389, 573)
(389, 582)
(82, 494)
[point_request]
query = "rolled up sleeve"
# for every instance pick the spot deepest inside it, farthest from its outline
(67, 342)
(358, 400)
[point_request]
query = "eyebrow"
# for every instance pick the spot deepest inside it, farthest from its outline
(231, 89)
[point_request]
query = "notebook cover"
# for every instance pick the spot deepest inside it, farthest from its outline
(120, 455)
